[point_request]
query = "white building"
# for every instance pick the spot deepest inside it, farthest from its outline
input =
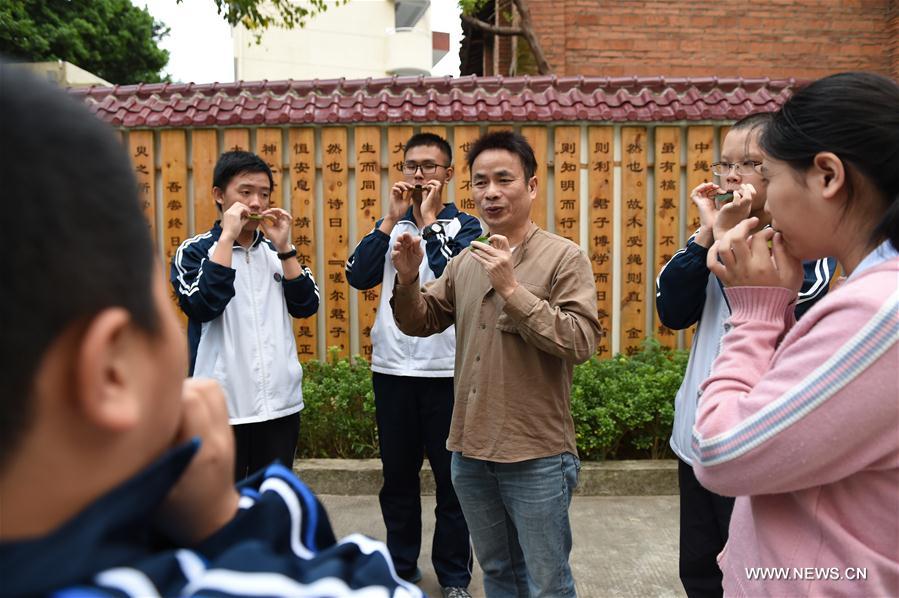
(62, 73)
(359, 39)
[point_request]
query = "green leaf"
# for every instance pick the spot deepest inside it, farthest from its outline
(472, 7)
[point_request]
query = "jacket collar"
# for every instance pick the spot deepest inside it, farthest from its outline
(883, 252)
(409, 216)
(448, 212)
(258, 237)
(115, 529)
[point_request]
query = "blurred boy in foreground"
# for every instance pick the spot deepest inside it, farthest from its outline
(116, 473)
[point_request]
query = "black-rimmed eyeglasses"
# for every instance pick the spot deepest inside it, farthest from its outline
(410, 168)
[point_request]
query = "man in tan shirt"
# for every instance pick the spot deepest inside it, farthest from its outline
(524, 308)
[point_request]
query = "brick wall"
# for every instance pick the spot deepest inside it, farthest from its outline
(773, 38)
(893, 29)
(505, 45)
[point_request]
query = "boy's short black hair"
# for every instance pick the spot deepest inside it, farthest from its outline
(231, 164)
(421, 139)
(509, 141)
(77, 240)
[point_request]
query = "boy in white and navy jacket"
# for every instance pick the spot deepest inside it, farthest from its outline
(413, 377)
(240, 288)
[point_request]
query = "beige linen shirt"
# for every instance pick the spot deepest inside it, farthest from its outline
(514, 359)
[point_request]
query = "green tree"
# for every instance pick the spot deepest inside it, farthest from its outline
(113, 39)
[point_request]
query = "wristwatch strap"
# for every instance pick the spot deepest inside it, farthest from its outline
(288, 254)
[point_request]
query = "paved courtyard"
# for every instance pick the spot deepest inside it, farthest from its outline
(624, 546)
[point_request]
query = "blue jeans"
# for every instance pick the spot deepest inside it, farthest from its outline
(517, 515)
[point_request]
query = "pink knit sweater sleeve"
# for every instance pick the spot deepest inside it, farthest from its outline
(811, 409)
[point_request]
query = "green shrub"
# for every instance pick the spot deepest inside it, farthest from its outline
(339, 416)
(622, 407)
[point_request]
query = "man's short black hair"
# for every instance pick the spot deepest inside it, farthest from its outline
(231, 164)
(77, 241)
(509, 141)
(420, 139)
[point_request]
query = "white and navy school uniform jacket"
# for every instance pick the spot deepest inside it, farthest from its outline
(240, 331)
(687, 293)
(393, 352)
(280, 543)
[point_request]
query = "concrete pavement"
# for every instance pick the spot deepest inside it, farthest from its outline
(624, 546)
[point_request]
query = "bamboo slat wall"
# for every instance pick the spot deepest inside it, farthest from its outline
(620, 192)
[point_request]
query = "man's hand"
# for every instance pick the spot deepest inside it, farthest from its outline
(732, 213)
(277, 226)
(204, 499)
(496, 258)
(407, 255)
(233, 220)
(741, 260)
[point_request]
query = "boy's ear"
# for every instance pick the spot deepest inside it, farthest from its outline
(450, 171)
(219, 196)
(104, 360)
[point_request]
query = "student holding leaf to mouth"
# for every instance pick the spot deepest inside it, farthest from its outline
(239, 283)
(413, 377)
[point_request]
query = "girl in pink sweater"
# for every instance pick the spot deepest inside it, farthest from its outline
(800, 421)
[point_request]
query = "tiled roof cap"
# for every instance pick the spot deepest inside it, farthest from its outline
(435, 99)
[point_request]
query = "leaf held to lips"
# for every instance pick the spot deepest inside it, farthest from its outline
(259, 217)
(416, 193)
(723, 198)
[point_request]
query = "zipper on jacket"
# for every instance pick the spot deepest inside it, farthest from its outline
(263, 384)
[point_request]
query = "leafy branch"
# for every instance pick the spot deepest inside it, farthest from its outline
(259, 15)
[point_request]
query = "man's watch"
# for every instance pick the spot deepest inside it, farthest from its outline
(292, 252)
(432, 230)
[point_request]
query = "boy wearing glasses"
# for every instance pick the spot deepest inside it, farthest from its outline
(413, 377)
(688, 294)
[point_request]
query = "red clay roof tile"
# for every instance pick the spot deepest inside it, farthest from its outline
(443, 99)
